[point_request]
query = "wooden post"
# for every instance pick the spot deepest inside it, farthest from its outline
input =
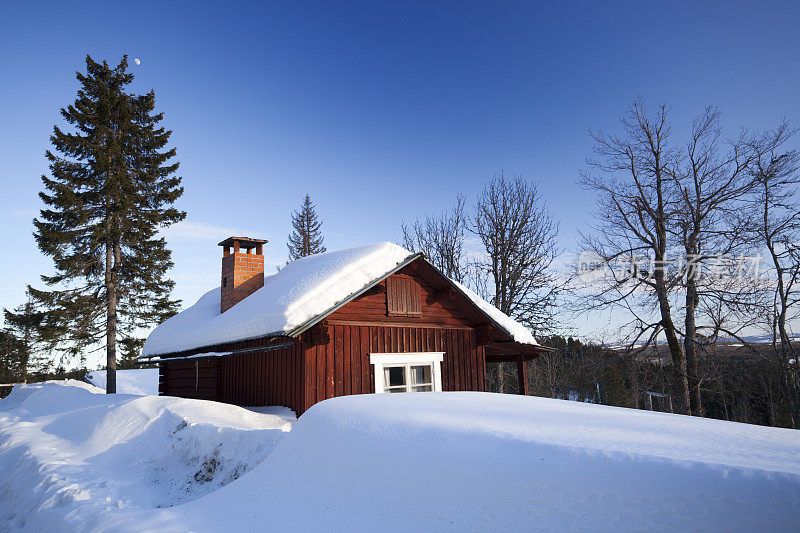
(522, 375)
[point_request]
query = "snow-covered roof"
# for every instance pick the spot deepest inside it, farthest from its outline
(517, 331)
(301, 293)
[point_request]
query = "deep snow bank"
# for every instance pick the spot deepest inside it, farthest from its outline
(488, 462)
(73, 458)
(141, 381)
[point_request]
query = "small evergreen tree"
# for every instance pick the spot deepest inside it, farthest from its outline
(306, 239)
(112, 188)
(12, 354)
(25, 325)
(131, 349)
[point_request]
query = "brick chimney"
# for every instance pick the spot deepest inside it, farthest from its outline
(242, 270)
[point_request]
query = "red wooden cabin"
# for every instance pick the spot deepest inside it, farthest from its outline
(364, 320)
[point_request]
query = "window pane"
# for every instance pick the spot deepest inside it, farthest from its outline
(394, 376)
(398, 389)
(420, 375)
(422, 388)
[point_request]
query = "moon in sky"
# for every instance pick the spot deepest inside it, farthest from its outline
(136, 60)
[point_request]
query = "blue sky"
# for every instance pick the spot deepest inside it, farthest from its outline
(380, 111)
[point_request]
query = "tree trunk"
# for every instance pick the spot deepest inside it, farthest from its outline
(789, 368)
(27, 344)
(680, 382)
(690, 345)
(111, 319)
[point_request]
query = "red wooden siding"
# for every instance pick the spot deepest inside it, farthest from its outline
(262, 378)
(193, 378)
(350, 371)
(300, 375)
(437, 308)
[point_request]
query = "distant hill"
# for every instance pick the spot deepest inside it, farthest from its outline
(729, 341)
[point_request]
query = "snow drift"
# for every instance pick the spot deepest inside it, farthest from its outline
(479, 462)
(141, 381)
(71, 455)
(74, 460)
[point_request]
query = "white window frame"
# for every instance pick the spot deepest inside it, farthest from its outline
(408, 360)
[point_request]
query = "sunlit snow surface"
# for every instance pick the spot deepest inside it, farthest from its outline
(75, 460)
(141, 381)
(71, 455)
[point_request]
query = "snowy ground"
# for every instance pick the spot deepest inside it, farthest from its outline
(71, 455)
(141, 381)
(424, 462)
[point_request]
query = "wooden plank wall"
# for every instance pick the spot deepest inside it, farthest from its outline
(342, 366)
(163, 384)
(193, 378)
(269, 377)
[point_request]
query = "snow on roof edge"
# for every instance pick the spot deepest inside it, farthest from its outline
(202, 325)
(300, 294)
(516, 330)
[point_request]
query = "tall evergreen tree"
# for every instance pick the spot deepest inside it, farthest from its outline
(111, 188)
(306, 239)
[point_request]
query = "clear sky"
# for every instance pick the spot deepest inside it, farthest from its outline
(381, 111)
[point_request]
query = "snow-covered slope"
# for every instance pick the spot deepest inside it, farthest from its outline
(487, 462)
(70, 455)
(300, 291)
(139, 381)
(73, 460)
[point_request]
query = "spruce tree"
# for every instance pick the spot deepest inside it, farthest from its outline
(111, 188)
(12, 355)
(306, 239)
(24, 324)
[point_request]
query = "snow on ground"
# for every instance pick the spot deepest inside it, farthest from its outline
(423, 462)
(478, 462)
(71, 455)
(276, 410)
(141, 381)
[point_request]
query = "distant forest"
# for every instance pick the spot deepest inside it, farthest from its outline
(741, 384)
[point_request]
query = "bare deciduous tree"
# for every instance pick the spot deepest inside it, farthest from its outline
(712, 181)
(441, 239)
(519, 237)
(778, 230)
(638, 204)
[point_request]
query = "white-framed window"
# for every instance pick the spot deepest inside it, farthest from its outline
(407, 372)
